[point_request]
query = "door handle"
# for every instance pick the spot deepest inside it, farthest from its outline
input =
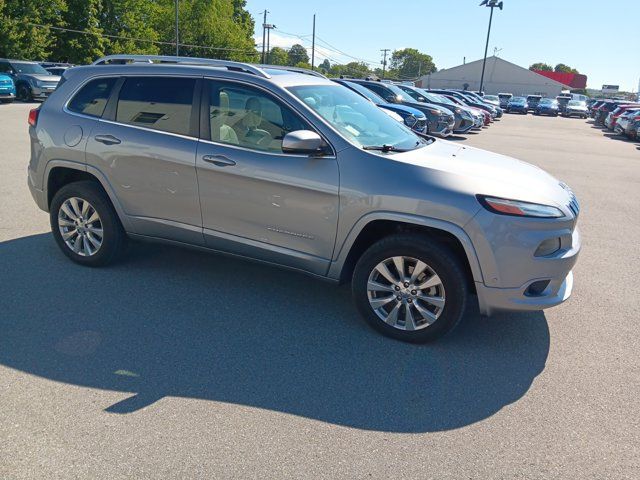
(107, 139)
(219, 160)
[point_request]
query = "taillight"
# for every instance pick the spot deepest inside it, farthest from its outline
(33, 116)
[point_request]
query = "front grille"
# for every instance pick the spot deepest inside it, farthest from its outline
(420, 125)
(574, 205)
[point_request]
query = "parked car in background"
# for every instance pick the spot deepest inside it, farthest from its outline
(32, 81)
(518, 105)
(612, 118)
(295, 170)
(492, 99)
(576, 108)
(7, 89)
(602, 111)
(412, 117)
(464, 121)
(467, 100)
(479, 98)
(56, 70)
(504, 99)
(486, 116)
(626, 122)
(532, 101)
(563, 100)
(547, 106)
(440, 120)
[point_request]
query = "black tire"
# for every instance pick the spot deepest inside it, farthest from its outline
(23, 93)
(114, 236)
(439, 258)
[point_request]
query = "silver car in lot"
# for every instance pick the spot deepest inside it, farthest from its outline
(289, 168)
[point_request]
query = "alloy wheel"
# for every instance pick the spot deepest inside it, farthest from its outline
(406, 293)
(80, 226)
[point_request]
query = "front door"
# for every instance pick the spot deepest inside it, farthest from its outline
(257, 200)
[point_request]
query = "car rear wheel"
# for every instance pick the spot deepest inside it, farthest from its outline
(85, 225)
(410, 288)
(23, 93)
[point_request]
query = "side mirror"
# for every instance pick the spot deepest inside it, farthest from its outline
(303, 141)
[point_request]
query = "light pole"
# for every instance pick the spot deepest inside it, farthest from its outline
(491, 4)
(268, 27)
(177, 44)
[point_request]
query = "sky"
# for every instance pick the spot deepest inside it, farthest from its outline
(526, 31)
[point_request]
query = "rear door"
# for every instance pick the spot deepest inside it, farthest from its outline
(145, 146)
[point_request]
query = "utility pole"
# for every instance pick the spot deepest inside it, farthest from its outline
(491, 4)
(384, 60)
(313, 44)
(268, 27)
(177, 29)
(264, 31)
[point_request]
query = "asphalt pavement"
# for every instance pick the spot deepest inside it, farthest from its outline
(178, 364)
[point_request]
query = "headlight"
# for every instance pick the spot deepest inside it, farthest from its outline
(410, 121)
(435, 112)
(503, 206)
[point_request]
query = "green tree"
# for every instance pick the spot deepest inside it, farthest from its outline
(541, 66)
(325, 66)
(351, 69)
(130, 19)
(562, 68)
(410, 63)
(85, 47)
(306, 65)
(278, 56)
(297, 53)
(20, 35)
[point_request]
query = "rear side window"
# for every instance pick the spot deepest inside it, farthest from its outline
(159, 103)
(92, 98)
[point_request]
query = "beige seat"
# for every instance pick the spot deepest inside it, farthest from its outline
(254, 136)
(220, 130)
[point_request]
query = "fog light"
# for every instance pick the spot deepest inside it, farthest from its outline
(548, 247)
(537, 288)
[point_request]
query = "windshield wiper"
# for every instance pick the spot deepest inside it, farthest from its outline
(384, 148)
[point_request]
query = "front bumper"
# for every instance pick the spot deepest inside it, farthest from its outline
(41, 92)
(464, 125)
(442, 126)
(514, 276)
(575, 113)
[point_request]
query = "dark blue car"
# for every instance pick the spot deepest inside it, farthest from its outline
(412, 117)
(547, 106)
(518, 105)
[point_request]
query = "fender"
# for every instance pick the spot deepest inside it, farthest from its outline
(97, 174)
(337, 264)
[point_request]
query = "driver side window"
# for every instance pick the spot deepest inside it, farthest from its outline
(248, 117)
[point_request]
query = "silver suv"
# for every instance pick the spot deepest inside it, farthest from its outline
(284, 166)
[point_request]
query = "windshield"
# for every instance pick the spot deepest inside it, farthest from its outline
(34, 68)
(576, 103)
(364, 91)
(504, 96)
(439, 98)
(356, 118)
(518, 100)
(401, 93)
(491, 98)
(548, 101)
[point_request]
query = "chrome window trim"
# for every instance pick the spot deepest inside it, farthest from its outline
(275, 154)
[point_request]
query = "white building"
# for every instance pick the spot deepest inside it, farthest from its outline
(500, 76)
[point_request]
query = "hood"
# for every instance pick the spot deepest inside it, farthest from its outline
(4, 77)
(475, 171)
(42, 78)
(422, 106)
(403, 109)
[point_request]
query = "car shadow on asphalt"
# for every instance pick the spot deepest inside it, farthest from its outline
(175, 322)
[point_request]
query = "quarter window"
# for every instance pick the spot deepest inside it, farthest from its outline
(249, 118)
(92, 98)
(159, 103)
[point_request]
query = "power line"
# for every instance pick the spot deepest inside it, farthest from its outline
(134, 39)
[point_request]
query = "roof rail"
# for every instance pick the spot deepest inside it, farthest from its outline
(229, 65)
(305, 71)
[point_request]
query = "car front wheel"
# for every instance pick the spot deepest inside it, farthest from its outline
(410, 288)
(23, 93)
(85, 225)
